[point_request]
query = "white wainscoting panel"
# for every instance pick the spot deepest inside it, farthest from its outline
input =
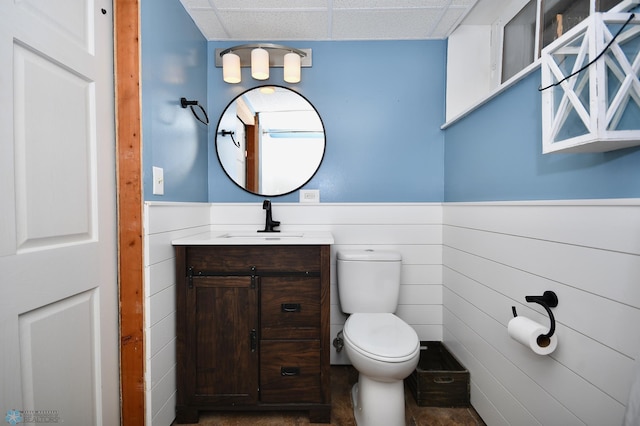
(588, 253)
(164, 222)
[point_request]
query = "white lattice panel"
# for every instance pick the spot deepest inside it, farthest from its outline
(591, 91)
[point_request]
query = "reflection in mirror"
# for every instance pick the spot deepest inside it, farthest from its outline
(270, 140)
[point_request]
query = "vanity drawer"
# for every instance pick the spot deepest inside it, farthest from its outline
(265, 259)
(290, 307)
(290, 371)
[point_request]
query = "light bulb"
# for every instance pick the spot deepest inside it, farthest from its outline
(292, 68)
(231, 68)
(259, 64)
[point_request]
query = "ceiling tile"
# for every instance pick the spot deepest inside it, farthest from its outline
(196, 4)
(448, 22)
(249, 5)
(388, 4)
(208, 23)
(463, 3)
(376, 25)
(270, 25)
(328, 19)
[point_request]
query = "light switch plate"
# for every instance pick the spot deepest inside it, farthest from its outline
(158, 181)
(309, 195)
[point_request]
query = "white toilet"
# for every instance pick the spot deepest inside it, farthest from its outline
(383, 348)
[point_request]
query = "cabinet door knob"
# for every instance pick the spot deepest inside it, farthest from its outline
(290, 307)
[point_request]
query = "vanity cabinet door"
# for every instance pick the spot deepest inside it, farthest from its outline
(223, 333)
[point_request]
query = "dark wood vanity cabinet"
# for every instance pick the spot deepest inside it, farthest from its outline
(253, 329)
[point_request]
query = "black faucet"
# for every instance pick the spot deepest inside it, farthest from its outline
(269, 223)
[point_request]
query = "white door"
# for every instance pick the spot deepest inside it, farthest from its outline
(58, 287)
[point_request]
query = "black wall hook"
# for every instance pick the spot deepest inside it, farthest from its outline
(185, 103)
(229, 133)
(548, 300)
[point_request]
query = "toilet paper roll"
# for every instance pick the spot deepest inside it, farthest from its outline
(528, 332)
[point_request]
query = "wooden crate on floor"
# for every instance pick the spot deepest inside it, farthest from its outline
(439, 380)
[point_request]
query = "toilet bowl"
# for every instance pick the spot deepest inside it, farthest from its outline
(385, 350)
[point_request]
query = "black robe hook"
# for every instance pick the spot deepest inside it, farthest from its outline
(548, 300)
(224, 132)
(185, 103)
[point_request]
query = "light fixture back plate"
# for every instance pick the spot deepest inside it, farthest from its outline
(276, 57)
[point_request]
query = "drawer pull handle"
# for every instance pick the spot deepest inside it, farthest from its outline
(289, 371)
(443, 380)
(290, 307)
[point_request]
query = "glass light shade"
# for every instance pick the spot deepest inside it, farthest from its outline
(292, 68)
(259, 64)
(231, 68)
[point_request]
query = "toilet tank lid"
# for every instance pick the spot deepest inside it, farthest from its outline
(369, 255)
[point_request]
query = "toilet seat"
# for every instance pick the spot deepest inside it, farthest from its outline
(381, 336)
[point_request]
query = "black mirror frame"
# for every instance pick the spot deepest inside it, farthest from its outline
(218, 130)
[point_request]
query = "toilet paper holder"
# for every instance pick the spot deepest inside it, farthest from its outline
(548, 300)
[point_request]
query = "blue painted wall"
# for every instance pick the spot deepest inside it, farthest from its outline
(174, 65)
(495, 154)
(382, 105)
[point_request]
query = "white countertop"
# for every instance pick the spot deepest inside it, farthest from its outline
(236, 238)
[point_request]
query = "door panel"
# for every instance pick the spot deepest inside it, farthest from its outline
(62, 334)
(58, 283)
(71, 20)
(54, 191)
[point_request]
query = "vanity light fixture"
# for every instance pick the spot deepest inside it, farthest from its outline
(260, 57)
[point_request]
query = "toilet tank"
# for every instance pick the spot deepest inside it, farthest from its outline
(368, 280)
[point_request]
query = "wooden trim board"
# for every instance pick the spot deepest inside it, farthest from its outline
(130, 230)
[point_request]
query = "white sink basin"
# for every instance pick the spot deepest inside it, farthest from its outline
(221, 238)
(263, 235)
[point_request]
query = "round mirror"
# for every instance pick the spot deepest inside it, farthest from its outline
(270, 140)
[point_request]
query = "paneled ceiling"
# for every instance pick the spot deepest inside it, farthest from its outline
(273, 20)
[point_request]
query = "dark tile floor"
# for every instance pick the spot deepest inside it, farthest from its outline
(342, 378)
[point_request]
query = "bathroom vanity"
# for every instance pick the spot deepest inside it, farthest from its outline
(253, 323)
